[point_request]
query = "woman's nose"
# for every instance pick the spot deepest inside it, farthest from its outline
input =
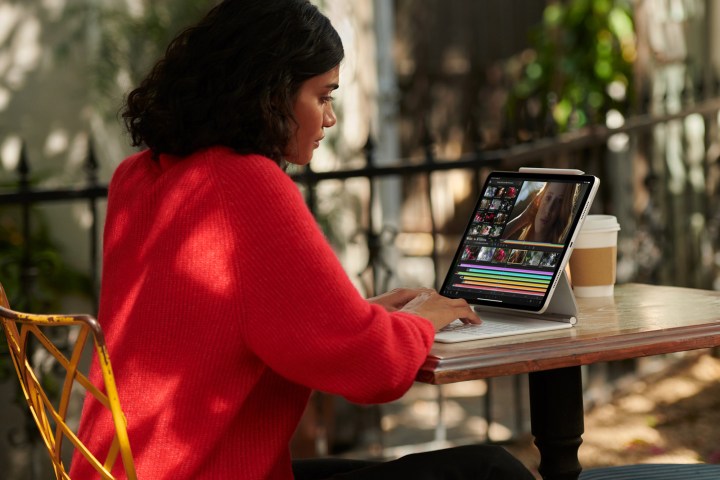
(329, 118)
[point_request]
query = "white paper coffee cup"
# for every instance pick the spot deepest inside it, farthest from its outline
(593, 263)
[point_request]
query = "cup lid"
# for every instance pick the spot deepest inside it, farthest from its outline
(601, 222)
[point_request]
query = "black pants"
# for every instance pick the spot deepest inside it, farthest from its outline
(476, 462)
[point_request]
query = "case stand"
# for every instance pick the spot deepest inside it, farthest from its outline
(562, 303)
(561, 308)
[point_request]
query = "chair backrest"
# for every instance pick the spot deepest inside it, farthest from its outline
(50, 413)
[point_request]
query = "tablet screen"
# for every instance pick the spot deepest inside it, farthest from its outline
(518, 238)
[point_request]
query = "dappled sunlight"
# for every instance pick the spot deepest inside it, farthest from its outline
(4, 98)
(469, 389)
(41, 91)
(449, 190)
(476, 425)
(637, 403)
(56, 142)
(136, 8)
(83, 215)
(672, 390)
(499, 432)
(415, 244)
(54, 8)
(706, 369)
(420, 409)
(20, 30)
(423, 415)
(10, 152)
(199, 251)
(667, 417)
(420, 414)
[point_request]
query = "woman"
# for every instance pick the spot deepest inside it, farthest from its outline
(547, 217)
(222, 303)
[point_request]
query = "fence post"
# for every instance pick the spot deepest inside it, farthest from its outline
(380, 272)
(27, 272)
(428, 144)
(373, 238)
(91, 168)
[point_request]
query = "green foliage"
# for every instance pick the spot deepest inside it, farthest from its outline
(51, 278)
(120, 45)
(580, 65)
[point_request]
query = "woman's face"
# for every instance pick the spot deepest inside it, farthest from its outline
(313, 112)
(549, 208)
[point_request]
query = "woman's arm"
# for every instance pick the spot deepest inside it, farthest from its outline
(301, 314)
(428, 304)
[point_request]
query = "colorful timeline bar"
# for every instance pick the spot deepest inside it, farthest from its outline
(500, 279)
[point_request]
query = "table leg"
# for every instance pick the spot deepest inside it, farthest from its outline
(556, 410)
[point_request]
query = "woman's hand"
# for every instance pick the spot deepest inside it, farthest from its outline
(440, 310)
(396, 299)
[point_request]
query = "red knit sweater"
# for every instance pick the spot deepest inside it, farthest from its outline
(223, 306)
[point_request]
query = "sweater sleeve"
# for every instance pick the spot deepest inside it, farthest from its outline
(301, 314)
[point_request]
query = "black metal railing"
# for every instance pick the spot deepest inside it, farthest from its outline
(585, 149)
(26, 196)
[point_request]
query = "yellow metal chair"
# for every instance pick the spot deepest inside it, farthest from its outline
(51, 418)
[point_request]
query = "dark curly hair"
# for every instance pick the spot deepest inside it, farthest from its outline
(231, 79)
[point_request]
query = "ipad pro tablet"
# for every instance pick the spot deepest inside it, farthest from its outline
(518, 239)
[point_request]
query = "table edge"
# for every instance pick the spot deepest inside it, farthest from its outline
(563, 352)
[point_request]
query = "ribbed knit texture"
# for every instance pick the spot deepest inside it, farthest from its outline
(223, 306)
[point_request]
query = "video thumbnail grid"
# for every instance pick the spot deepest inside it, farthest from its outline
(493, 211)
